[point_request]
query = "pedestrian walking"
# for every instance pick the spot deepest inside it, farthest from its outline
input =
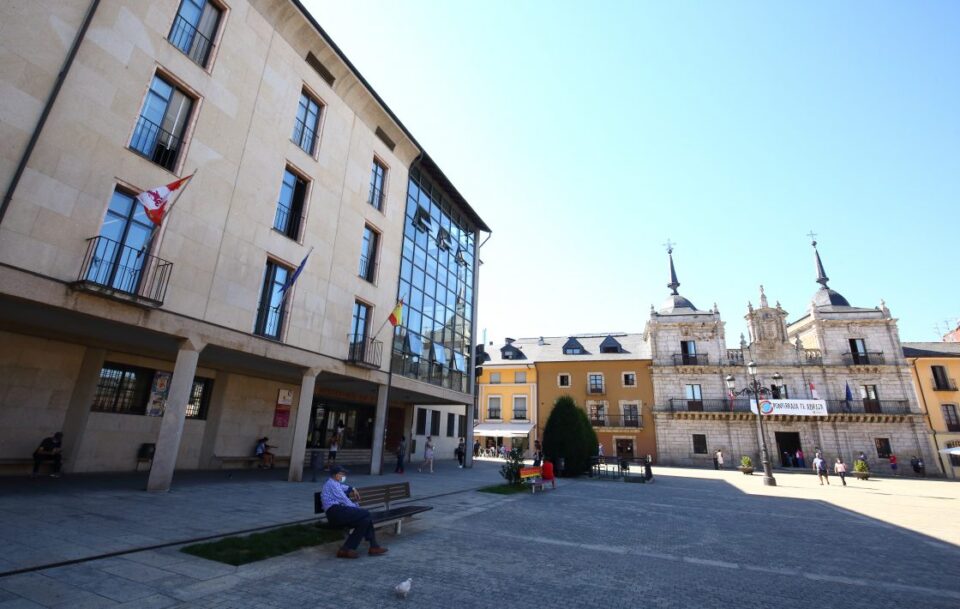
(332, 448)
(786, 459)
(840, 468)
(820, 466)
(801, 462)
(923, 468)
(893, 464)
(460, 452)
(427, 455)
(718, 459)
(476, 448)
(401, 454)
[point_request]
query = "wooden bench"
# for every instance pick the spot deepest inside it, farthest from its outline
(534, 477)
(26, 463)
(381, 495)
(250, 460)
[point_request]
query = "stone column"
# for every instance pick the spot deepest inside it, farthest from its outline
(78, 411)
(468, 438)
(379, 428)
(211, 428)
(171, 427)
(305, 404)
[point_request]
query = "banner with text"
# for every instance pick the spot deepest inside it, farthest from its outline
(803, 408)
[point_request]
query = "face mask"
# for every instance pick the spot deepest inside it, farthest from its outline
(343, 479)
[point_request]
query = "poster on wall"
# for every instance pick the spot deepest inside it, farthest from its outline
(281, 416)
(158, 394)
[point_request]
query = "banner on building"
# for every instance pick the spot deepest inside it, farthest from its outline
(158, 394)
(803, 408)
(281, 416)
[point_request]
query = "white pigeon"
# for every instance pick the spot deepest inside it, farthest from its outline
(403, 588)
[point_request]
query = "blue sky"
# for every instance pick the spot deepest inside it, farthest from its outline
(587, 134)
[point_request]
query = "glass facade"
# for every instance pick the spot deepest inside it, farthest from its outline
(433, 343)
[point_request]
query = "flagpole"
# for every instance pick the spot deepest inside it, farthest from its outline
(287, 289)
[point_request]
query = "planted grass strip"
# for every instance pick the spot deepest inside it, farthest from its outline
(505, 489)
(259, 546)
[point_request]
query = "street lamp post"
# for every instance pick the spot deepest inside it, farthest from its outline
(756, 390)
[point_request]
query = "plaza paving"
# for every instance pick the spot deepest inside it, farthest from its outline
(693, 539)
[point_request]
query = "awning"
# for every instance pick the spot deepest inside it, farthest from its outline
(507, 430)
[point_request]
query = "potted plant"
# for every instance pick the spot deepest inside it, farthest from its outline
(861, 470)
(746, 465)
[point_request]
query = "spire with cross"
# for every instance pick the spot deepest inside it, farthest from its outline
(674, 284)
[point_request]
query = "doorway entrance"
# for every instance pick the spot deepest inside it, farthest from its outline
(326, 416)
(788, 443)
(625, 448)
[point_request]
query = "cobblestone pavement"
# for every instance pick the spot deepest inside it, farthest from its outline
(692, 539)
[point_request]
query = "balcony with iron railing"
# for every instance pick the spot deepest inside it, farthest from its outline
(943, 384)
(188, 39)
(868, 406)
(806, 357)
(860, 406)
(615, 420)
(863, 358)
(686, 359)
(154, 143)
(364, 351)
(117, 269)
(368, 269)
(708, 405)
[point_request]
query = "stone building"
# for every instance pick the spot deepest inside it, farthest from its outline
(192, 338)
(849, 357)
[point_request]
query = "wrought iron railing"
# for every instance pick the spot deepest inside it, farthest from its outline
(188, 39)
(270, 320)
(113, 267)
(709, 405)
(859, 406)
(375, 198)
(368, 269)
(616, 420)
(155, 143)
(287, 221)
(684, 359)
(863, 358)
(304, 136)
(364, 351)
(868, 406)
(944, 384)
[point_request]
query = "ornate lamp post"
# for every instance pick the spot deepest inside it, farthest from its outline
(756, 390)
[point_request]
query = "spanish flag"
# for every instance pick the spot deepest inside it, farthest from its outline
(397, 315)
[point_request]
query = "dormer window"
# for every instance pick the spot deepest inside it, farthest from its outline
(573, 347)
(610, 345)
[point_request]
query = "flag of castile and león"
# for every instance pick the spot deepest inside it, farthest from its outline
(157, 200)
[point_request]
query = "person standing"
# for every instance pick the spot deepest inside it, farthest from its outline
(801, 462)
(718, 459)
(820, 466)
(401, 454)
(476, 448)
(893, 463)
(461, 453)
(49, 450)
(332, 449)
(537, 453)
(599, 449)
(840, 468)
(427, 455)
(342, 511)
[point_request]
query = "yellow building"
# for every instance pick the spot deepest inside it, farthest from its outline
(935, 368)
(507, 400)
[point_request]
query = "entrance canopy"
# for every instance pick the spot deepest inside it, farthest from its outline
(505, 430)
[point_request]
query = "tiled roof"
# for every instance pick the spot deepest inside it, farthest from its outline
(938, 349)
(551, 349)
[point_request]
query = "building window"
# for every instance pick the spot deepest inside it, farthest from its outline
(359, 324)
(493, 407)
(950, 417)
(598, 413)
(883, 447)
(631, 415)
(629, 379)
(699, 444)
(520, 407)
(451, 424)
(494, 378)
(858, 351)
(694, 397)
(377, 178)
(941, 382)
(421, 421)
(779, 392)
(271, 311)
(563, 380)
(199, 398)
(871, 399)
(954, 459)
(520, 377)
(434, 422)
(290, 206)
(122, 389)
(688, 352)
(306, 124)
(158, 135)
(595, 383)
(118, 259)
(368, 254)
(462, 425)
(194, 29)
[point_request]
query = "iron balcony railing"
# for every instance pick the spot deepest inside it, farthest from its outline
(944, 384)
(685, 359)
(868, 406)
(368, 269)
(709, 405)
(364, 351)
(188, 39)
(270, 320)
(155, 143)
(375, 198)
(287, 221)
(113, 267)
(304, 135)
(863, 358)
(615, 420)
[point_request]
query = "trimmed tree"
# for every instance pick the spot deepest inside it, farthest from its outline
(568, 435)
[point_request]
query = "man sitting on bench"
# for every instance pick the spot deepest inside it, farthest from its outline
(342, 512)
(49, 450)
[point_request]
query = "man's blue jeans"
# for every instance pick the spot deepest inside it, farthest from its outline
(356, 518)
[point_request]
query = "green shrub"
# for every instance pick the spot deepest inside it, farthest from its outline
(861, 466)
(511, 469)
(569, 436)
(746, 461)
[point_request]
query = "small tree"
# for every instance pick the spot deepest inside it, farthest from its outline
(511, 469)
(746, 461)
(569, 436)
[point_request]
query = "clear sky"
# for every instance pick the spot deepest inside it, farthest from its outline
(588, 133)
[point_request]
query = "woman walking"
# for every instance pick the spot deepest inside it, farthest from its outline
(427, 455)
(841, 470)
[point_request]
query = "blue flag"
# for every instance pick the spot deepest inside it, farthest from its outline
(849, 393)
(293, 278)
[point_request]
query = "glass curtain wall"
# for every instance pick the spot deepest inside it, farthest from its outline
(434, 341)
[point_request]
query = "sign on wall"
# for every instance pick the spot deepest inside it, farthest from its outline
(803, 408)
(158, 394)
(281, 416)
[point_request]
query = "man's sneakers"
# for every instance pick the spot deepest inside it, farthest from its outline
(347, 554)
(377, 551)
